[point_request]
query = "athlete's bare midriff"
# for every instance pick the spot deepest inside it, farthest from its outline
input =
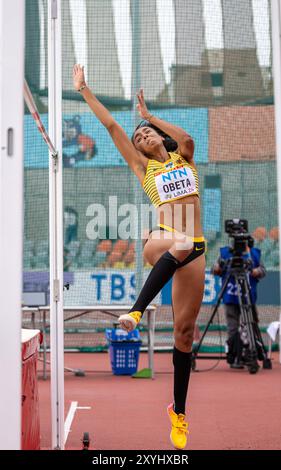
(183, 215)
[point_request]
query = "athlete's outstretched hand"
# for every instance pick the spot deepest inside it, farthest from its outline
(78, 76)
(141, 106)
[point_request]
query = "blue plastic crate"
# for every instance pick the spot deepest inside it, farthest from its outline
(117, 334)
(124, 350)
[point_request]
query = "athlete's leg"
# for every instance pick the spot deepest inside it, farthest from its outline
(166, 256)
(187, 294)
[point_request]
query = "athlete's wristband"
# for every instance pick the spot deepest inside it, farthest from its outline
(149, 117)
(81, 88)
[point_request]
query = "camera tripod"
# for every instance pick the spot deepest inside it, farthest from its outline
(249, 344)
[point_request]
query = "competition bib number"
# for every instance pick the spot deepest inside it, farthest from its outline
(175, 183)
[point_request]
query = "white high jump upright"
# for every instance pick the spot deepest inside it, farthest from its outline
(56, 224)
(276, 47)
(12, 16)
(136, 83)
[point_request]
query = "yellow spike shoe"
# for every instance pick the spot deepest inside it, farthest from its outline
(129, 321)
(179, 430)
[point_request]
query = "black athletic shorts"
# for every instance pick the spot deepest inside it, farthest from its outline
(199, 247)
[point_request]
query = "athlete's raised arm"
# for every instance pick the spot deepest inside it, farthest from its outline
(134, 158)
(184, 140)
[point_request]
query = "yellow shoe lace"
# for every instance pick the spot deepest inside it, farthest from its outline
(181, 424)
(136, 316)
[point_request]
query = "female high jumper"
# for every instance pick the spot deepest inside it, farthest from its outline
(161, 156)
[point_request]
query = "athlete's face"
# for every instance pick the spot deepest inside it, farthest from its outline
(147, 140)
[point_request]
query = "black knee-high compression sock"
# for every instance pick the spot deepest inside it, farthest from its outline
(160, 274)
(182, 367)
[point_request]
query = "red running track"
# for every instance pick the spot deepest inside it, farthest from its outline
(227, 409)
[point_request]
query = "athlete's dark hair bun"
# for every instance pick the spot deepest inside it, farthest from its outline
(169, 143)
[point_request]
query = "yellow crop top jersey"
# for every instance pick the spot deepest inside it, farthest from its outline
(170, 180)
